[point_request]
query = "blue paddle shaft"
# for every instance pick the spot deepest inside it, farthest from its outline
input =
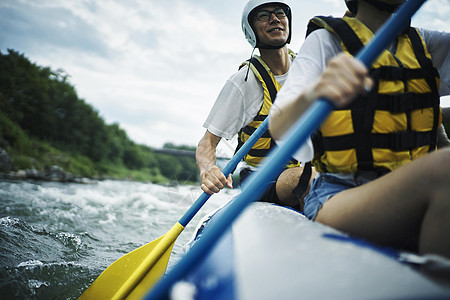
(232, 164)
(272, 165)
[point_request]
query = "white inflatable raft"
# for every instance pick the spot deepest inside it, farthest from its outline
(273, 252)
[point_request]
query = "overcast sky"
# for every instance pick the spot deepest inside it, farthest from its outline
(153, 67)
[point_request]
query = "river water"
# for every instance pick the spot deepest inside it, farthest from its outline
(56, 238)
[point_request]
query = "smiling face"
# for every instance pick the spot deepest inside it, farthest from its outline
(273, 31)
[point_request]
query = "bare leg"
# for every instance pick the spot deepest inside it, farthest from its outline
(287, 181)
(407, 208)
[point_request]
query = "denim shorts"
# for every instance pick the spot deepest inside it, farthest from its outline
(326, 185)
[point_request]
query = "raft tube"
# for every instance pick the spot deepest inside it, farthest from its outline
(273, 252)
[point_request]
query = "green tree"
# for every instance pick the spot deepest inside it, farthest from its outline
(39, 104)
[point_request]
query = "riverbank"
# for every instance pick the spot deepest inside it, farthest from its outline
(54, 173)
(43, 162)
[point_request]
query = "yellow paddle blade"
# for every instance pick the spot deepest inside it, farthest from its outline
(135, 273)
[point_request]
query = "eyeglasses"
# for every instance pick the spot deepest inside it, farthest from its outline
(264, 15)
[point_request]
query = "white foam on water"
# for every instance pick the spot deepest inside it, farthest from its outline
(30, 263)
(34, 284)
(8, 221)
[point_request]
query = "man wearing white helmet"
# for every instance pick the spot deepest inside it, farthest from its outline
(380, 175)
(245, 101)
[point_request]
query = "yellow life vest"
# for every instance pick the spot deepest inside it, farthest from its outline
(270, 86)
(393, 124)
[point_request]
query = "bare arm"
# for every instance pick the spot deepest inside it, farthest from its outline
(212, 177)
(343, 79)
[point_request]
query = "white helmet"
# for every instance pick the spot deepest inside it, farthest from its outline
(246, 24)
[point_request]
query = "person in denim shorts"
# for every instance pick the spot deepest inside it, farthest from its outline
(398, 193)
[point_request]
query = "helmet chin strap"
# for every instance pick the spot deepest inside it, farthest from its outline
(249, 62)
(264, 46)
(383, 6)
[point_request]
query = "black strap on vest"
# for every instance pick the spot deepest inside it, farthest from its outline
(398, 141)
(343, 30)
(266, 77)
(273, 93)
(430, 78)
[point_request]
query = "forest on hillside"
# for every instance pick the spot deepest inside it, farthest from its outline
(43, 123)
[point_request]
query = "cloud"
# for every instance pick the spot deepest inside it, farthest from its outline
(44, 28)
(433, 15)
(153, 67)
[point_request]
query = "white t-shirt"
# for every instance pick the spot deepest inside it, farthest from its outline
(321, 46)
(238, 103)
